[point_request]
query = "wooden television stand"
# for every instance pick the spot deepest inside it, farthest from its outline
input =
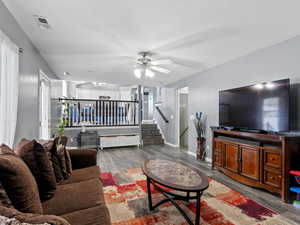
(258, 160)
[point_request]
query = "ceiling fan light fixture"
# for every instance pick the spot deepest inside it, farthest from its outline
(138, 73)
(149, 73)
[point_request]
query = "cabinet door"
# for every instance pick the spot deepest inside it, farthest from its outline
(218, 153)
(250, 162)
(232, 157)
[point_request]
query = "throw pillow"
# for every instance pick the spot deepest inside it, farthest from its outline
(48, 145)
(19, 184)
(50, 148)
(68, 161)
(62, 157)
(56, 164)
(36, 157)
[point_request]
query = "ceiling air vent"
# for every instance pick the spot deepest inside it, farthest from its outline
(42, 22)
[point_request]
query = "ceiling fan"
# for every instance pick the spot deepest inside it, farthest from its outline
(154, 59)
(147, 66)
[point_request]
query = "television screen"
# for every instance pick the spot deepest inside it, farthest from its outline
(263, 106)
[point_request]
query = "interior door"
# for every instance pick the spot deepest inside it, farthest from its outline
(44, 106)
(232, 157)
(250, 162)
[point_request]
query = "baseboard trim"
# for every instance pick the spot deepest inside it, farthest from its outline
(209, 160)
(192, 154)
(172, 145)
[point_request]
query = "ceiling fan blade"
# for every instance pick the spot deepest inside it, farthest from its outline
(160, 69)
(184, 62)
(161, 62)
(196, 38)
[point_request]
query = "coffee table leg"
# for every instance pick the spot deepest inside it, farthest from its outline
(198, 205)
(149, 194)
(188, 196)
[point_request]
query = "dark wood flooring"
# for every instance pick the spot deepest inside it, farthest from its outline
(116, 159)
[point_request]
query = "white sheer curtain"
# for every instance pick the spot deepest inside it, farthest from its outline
(9, 86)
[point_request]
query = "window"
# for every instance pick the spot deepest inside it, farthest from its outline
(9, 86)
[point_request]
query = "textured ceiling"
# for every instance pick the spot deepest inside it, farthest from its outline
(91, 39)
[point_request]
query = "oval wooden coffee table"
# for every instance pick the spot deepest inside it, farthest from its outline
(178, 177)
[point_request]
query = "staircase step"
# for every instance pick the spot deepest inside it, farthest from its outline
(149, 126)
(153, 138)
(151, 135)
(153, 142)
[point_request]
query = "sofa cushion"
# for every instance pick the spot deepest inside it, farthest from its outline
(36, 158)
(71, 197)
(14, 217)
(19, 184)
(98, 215)
(79, 175)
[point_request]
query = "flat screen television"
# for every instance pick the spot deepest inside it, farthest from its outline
(259, 107)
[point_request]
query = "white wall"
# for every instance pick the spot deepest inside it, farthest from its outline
(30, 63)
(273, 63)
(94, 93)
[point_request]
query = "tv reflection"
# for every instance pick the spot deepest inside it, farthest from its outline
(270, 114)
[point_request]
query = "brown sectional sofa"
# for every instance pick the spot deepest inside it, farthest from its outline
(78, 200)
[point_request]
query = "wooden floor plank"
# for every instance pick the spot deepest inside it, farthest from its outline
(116, 159)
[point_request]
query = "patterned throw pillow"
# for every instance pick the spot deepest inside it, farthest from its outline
(36, 158)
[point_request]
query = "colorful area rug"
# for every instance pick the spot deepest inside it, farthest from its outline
(126, 197)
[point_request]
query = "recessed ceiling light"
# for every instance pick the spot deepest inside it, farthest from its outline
(270, 85)
(259, 86)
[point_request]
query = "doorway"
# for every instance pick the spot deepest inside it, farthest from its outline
(148, 105)
(183, 117)
(44, 106)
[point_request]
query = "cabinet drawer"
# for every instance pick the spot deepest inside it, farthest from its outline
(272, 159)
(272, 177)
